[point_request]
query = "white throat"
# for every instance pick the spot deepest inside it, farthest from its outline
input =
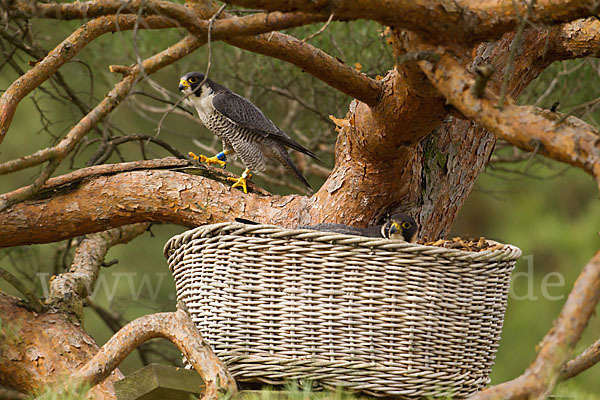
(203, 103)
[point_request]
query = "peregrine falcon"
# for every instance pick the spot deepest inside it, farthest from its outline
(241, 126)
(399, 227)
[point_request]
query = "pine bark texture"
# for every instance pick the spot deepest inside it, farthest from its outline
(41, 350)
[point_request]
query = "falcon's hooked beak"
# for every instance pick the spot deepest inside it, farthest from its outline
(183, 84)
(395, 228)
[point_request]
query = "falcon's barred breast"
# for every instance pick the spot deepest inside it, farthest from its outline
(241, 126)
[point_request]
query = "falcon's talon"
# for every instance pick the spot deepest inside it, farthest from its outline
(208, 160)
(241, 181)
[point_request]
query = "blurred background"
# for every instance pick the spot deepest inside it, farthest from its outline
(549, 210)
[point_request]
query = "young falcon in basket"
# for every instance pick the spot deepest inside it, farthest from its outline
(399, 227)
(241, 126)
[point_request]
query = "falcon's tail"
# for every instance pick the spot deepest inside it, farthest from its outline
(283, 156)
(291, 143)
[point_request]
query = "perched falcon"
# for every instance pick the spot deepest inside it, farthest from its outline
(400, 227)
(244, 130)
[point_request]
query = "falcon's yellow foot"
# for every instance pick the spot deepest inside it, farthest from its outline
(209, 161)
(241, 181)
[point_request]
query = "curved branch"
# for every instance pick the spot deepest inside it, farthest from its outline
(106, 169)
(174, 326)
(568, 140)
(84, 35)
(314, 61)
(558, 344)
(109, 103)
(311, 59)
(175, 14)
(470, 21)
(278, 45)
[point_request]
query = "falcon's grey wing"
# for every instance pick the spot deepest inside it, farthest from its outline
(244, 113)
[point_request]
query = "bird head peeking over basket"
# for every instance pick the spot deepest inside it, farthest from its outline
(398, 226)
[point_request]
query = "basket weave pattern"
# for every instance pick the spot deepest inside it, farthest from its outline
(385, 317)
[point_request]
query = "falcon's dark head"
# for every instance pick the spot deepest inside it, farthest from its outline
(400, 226)
(189, 83)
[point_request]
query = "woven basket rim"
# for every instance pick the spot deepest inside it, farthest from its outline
(507, 252)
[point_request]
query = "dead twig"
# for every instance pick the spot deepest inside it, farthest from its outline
(417, 56)
(516, 43)
(317, 33)
(109, 103)
(211, 21)
(483, 75)
(105, 151)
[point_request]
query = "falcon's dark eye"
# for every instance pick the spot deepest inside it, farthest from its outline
(406, 225)
(193, 79)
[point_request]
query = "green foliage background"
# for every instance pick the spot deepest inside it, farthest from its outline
(547, 209)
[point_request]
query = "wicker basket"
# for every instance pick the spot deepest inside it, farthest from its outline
(385, 317)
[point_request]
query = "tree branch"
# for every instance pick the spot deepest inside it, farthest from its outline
(32, 300)
(175, 14)
(314, 61)
(571, 141)
(311, 59)
(68, 290)
(575, 39)
(278, 45)
(582, 362)
(558, 344)
(470, 21)
(141, 196)
(174, 326)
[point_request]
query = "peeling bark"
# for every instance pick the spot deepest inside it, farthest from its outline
(104, 202)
